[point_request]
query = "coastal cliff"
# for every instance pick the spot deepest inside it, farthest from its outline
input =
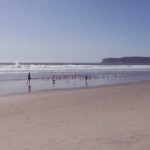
(126, 61)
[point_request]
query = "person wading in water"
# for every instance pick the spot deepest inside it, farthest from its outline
(29, 78)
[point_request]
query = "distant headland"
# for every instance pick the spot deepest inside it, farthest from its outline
(126, 61)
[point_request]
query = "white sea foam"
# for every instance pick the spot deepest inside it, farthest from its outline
(37, 68)
(19, 72)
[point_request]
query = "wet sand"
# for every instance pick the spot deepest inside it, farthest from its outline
(115, 117)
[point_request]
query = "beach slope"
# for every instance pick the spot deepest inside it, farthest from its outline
(104, 118)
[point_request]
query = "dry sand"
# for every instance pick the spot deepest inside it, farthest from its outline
(105, 118)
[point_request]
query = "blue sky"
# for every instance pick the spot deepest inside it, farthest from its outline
(73, 30)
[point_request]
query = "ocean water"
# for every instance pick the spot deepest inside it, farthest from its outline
(45, 76)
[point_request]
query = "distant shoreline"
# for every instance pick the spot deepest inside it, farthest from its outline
(55, 64)
(133, 60)
(126, 61)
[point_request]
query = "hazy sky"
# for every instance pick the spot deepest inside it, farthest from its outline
(73, 30)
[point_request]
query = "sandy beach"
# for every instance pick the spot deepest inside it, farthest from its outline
(115, 117)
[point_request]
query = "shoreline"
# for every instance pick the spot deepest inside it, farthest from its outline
(45, 81)
(72, 88)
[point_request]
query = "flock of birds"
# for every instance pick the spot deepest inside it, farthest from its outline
(107, 76)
